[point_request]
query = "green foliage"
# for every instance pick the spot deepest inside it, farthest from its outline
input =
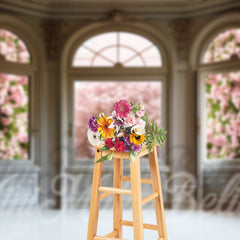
(106, 157)
(135, 108)
(209, 145)
(208, 87)
(104, 148)
(154, 135)
(132, 155)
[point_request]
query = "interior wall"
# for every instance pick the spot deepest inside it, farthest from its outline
(181, 94)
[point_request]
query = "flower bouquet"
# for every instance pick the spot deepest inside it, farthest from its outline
(126, 130)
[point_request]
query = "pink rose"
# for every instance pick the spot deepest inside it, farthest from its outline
(7, 110)
(130, 120)
(220, 141)
(140, 113)
(6, 121)
(141, 122)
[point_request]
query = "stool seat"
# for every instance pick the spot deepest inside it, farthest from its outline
(100, 192)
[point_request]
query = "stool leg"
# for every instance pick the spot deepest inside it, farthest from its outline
(136, 199)
(156, 184)
(94, 206)
(117, 198)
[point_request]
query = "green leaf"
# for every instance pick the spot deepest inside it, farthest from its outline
(106, 157)
(132, 156)
(104, 148)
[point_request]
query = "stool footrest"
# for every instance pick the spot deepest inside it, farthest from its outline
(143, 180)
(107, 238)
(145, 225)
(150, 197)
(115, 190)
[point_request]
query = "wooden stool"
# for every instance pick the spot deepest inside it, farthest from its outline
(99, 192)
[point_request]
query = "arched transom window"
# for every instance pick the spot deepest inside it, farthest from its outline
(12, 48)
(222, 97)
(225, 46)
(117, 48)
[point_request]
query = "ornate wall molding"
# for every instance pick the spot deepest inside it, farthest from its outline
(52, 32)
(145, 9)
(182, 32)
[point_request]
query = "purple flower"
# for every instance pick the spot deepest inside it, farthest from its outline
(136, 148)
(126, 148)
(127, 140)
(92, 124)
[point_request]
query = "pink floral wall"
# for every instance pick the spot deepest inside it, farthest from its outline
(223, 115)
(223, 46)
(13, 117)
(13, 48)
(223, 99)
(14, 100)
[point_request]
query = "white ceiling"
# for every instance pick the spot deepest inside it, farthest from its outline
(98, 8)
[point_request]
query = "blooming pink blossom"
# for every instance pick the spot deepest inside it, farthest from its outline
(223, 115)
(6, 121)
(140, 113)
(130, 120)
(14, 110)
(7, 110)
(141, 122)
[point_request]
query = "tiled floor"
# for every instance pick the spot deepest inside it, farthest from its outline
(72, 225)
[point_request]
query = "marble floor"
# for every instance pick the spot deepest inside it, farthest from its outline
(72, 225)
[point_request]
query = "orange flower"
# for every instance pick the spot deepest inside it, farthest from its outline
(104, 129)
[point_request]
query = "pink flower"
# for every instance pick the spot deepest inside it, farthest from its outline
(141, 122)
(131, 120)
(219, 127)
(122, 108)
(9, 153)
(140, 113)
(209, 136)
(6, 121)
(23, 137)
(220, 141)
(7, 110)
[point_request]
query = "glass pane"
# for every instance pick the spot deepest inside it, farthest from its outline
(101, 41)
(102, 62)
(82, 57)
(134, 41)
(109, 47)
(223, 46)
(152, 57)
(110, 53)
(96, 97)
(223, 116)
(135, 62)
(13, 48)
(125, 53)
(14, 115)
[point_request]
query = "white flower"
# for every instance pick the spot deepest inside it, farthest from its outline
(94, 138)
(101, 114)
(138, 129)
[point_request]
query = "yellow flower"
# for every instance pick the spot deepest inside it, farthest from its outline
(104, 129)
(137, 139)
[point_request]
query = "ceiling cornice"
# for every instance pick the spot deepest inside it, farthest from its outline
(86, 10)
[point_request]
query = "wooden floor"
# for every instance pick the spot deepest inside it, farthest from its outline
(72, 225)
